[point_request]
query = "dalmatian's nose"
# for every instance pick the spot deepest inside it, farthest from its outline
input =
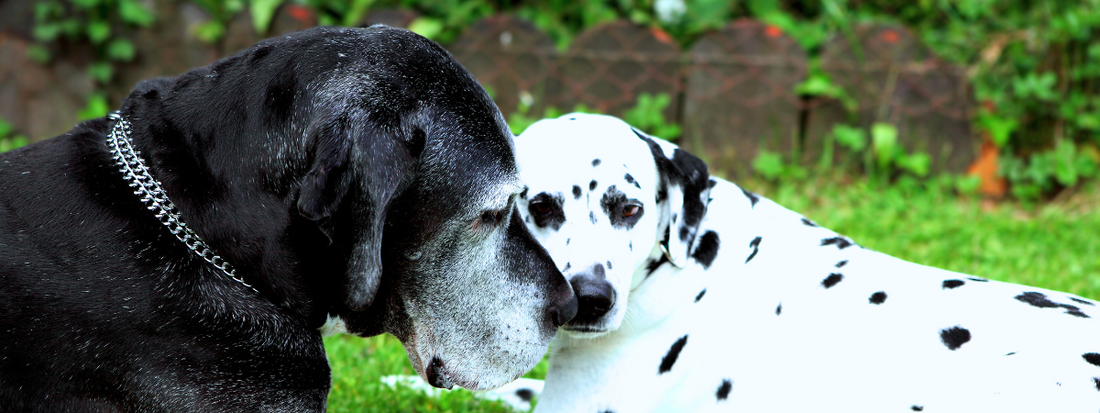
(594, 295)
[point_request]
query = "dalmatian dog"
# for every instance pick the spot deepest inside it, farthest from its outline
(698, 295)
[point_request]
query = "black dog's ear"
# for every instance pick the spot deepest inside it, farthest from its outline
(381, 163)
(683, 196)
(326, 183)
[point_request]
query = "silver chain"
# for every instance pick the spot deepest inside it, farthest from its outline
(155, 199)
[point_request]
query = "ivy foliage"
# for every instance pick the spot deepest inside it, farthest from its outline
(1034, 65)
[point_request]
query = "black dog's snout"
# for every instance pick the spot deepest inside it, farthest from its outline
(594, 296)
(561, 312)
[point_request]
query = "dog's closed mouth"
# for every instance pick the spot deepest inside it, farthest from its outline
(584, 330)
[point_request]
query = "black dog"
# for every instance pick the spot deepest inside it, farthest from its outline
(357, 179)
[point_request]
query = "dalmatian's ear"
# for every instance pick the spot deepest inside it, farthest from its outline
(683, 196)
(350, 155)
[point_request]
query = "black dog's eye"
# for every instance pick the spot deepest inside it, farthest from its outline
(488, 220)
(631, 210)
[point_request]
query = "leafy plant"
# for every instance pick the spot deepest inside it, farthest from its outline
(648, 115)
(8, 141)
(99, 23)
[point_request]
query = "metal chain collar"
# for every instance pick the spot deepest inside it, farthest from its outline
(155, 199)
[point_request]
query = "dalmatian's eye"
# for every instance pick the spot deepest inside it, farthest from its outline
(631, 210)
(540, 207)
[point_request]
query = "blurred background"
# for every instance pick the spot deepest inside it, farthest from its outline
(1005, 92)
(962, 134)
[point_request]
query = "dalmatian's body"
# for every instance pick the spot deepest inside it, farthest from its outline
(755, 308)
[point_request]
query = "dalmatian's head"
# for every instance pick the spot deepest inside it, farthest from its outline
(607, 201)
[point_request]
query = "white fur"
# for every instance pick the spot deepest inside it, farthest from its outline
(829, 349)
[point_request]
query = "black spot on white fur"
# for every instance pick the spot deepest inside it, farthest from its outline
(592, 185)
(1092, 358)
(592, 216)
(878, 298)
(609, 265)
(779, 309)
(576, 192)
(949, 284)
(700, 296)
(954, 337)
(1040, 300)
(832, 280)
(981, 280)
(630, 180)
(755, 245)
(596, 162)
(842, 263)
(525, 394)
(840, 242)
(1085, 302)
(916, 408)
(753, 198)
(724, 389)
(808, 223)
(707, 249)
(673, 353)
(1096, 380)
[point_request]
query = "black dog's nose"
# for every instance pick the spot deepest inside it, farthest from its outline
(561, 312)
(594, 296)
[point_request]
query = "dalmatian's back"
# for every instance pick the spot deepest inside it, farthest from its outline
(774, 313)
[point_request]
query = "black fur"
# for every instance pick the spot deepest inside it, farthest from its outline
(724, 389)
(284, 158)
(755, 245)
(613, 202)
(554, 215)
(949, 284)
(1092, 358)
(832, 280)
(707, 249)
(954, 337)
(673, 353)
(878, 298)
(1040, 300)
(840, 242)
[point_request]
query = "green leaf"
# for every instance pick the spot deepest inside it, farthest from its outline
(135, 13)
(96, 107)
(121, 50)
(38, 53)
(884, 140)
(1000, 129)
(98, 31)
(854, 139)
(101, 72)
(46, 32)
(1065, 163)
(85, 4)
(5, 128)
(356, 11)
(210, 32)
(768, 164)
(426, 26)
(918, 163)
(263, 11)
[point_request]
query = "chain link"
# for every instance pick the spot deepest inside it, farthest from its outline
(155, 199)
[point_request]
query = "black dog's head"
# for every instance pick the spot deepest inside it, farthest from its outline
(365, 177)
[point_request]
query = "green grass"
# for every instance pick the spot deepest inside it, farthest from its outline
(1054, 246)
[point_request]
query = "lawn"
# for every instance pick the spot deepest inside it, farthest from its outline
(1052, 246)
